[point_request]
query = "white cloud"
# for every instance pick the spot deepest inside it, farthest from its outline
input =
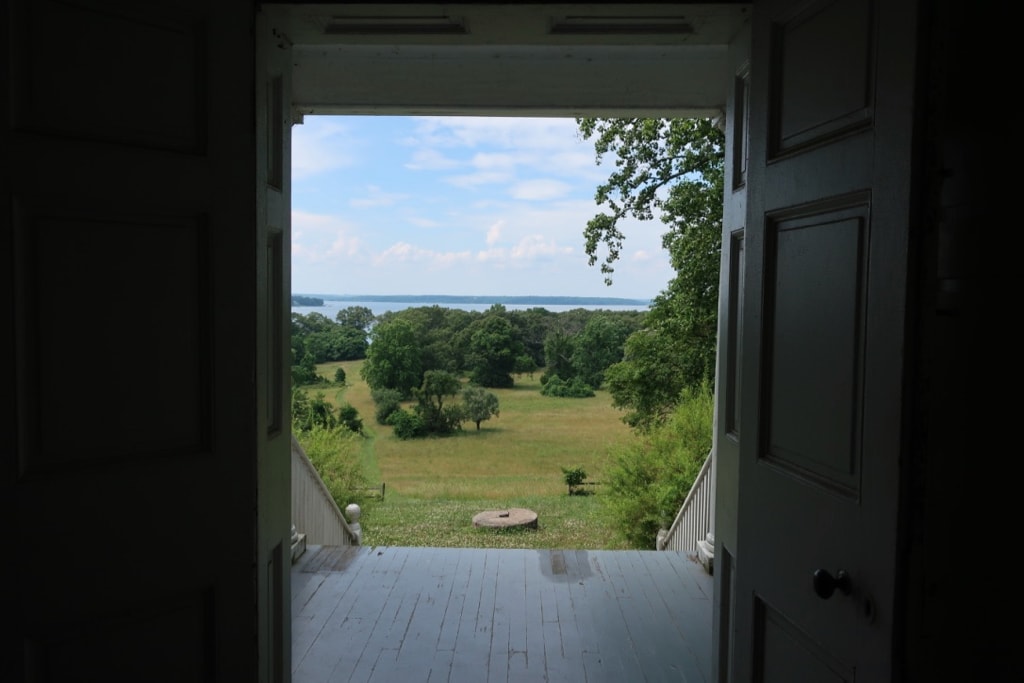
(494, 232)
(421, 222)
(375, 197)
(317, 238)
(403, 252)
(502, 146)
(534, 246)
(473, 180)
(427, 159)
(494, 160)
(496, 255)
(533, 190)
(642, 256)
(320, 146)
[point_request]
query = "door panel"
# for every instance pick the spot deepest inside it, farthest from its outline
(825, 296)
(128, 238)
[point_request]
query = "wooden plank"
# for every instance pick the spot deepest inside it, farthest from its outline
(536, 593)
(386, 637)
(314, 615)
(345, 636)
(595, 665)
(419, 644)
(509, 627)
(456, 600)
(672, 647)
(681, 588)
(472, 647)
(618, 656)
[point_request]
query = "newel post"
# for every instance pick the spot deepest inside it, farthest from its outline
(353, 511)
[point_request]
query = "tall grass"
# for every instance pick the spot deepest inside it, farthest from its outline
(435, 485)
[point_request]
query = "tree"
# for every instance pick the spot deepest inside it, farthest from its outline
(494, 346)
(386, 401)
(439, 386)
(558, 348)
(525, 365)
(648, 382)
(673, 168)
(305, 371)
(598, 345)
(337, 343)
(479, 404)
(356, 317)
(393, 360)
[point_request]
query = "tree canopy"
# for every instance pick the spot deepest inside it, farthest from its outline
(393, 360)
(673, 169)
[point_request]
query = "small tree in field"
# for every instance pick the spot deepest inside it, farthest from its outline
(439, 386)
(479, 404)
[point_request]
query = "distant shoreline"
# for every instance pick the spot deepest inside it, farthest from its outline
(460, 299)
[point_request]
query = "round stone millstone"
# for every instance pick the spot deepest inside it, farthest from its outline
(504, 519)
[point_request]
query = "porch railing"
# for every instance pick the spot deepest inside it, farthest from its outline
(314, 512)
(693, 521)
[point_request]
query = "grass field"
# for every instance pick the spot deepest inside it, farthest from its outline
(434, 486)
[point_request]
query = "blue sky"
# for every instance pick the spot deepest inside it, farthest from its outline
(455, 205)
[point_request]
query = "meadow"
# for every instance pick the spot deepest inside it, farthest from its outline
(434, 486)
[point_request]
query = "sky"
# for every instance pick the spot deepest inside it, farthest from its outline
(456, 205)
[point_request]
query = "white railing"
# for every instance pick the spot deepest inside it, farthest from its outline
(314, 512)
(693, 521)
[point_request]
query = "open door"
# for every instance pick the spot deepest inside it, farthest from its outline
(823, 324)
(135, 545)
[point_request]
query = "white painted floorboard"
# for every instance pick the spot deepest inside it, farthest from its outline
(411, 615)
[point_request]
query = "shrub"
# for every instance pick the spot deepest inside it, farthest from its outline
(648, 481)
(387, 402)
(408, 425)
(308, 413)
(574, 479)
(335, 454)
(348, 416)
(574, 388)
(339, 375)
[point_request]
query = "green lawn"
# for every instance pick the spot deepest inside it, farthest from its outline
(434, 486)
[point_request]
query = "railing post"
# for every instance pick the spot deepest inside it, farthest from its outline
(706, 546)
(353, 512)
(298, 542)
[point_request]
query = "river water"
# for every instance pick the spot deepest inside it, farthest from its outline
(331, 307)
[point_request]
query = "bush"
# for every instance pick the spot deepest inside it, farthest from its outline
(574, 388)
(340, 376)
(408, 425)
(387, 402)
(308, 413)
(574, 479)
(648, 481)
(335, 454)
(305, 372)
(348, 416)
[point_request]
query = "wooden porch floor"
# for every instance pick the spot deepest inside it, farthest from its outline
(411, 615)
